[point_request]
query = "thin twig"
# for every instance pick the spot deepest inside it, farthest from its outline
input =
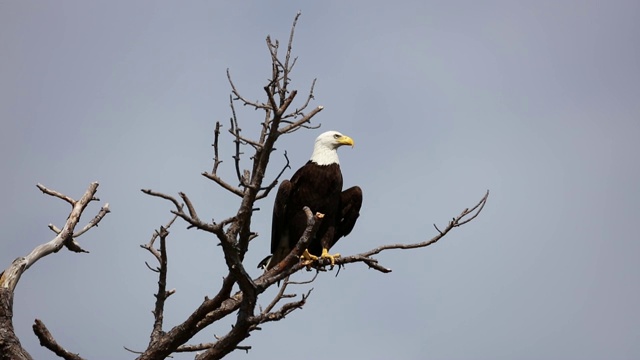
(190, 208)
(235, 131)
(94, 222)
(241, 98)
(287, 68)
(305, 119)
(218, 180)
(163, 196)
(267, 189)
(216, 157)
(56, 194)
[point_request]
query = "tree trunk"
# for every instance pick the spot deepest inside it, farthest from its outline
(10, 347)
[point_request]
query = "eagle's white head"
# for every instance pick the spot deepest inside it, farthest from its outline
(326, 146)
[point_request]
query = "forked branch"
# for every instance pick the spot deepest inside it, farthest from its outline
(11, 275)
(9, 345)
(161, 296)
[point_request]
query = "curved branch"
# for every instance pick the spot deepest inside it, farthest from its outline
(163, 196)
(241, 98)
(9, 344)
(11, 275)
(465, 216)
(193, 221)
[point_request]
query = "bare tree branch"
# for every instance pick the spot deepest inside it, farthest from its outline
(56, 194)
(235, 92)
(162, 295)
(192, 348)
(193, 221)
(305, 119)
(287, 68)
(267, 189)
(465, 216)
(9, 344)
(95, 221)
(163, 196)
(192, 210)
(47, 340)
(309, 98)
(281, 293)
(285, 310)
(11, 275)
(216, 156)
(223, 183)
(235, 131)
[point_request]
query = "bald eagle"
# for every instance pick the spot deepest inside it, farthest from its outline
(318, 185)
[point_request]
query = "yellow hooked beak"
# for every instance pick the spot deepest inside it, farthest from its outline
(345, 140)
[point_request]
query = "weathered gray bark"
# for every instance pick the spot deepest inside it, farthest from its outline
(10, 347)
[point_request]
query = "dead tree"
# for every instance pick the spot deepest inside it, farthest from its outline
(234, 234)
(10, 347)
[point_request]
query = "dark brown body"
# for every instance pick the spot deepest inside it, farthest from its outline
(320, 188)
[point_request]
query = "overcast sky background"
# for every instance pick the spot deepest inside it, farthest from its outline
(538, 101)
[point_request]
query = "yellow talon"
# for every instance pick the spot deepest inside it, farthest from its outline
(326, 255)
(307, 258)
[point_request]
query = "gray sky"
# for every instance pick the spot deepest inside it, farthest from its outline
(537, 101)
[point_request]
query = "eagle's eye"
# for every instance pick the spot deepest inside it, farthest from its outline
(335, 136)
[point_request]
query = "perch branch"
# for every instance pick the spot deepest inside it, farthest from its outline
(291, 263)
(465, 216)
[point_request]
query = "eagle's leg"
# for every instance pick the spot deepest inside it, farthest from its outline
(307, 258)
(326, 255)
